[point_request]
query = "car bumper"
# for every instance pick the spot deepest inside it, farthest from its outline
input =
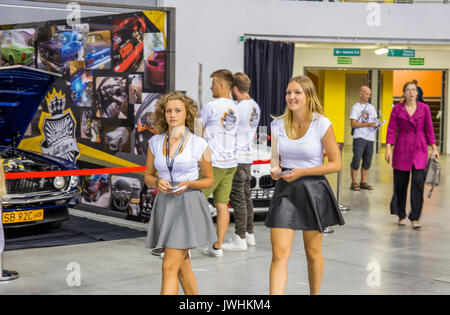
(55, 206)
(12, 201)
(52, 65)
(51, 215)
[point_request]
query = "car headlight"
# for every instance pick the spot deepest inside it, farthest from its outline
(59, 182)
(73, 181)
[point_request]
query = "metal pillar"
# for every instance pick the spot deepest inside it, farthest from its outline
(339, 178)
(7, 275)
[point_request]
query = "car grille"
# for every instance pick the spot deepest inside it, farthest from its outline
(253, 182)
(266, 182)
(29, 185)
(258, 194)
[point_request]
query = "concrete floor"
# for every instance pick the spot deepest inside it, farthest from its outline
(370, 254)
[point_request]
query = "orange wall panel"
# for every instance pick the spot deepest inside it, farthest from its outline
(429, 81)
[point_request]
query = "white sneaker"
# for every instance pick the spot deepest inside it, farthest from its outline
(236, 244)
(210, 251)
(250, 238)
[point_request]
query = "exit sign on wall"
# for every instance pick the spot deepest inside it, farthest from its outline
(401, 53)
(347, 52)
(345, 60)
(416, 61)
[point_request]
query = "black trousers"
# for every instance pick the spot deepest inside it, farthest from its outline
(401, 181)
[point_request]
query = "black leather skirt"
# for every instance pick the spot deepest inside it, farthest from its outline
(307, 203)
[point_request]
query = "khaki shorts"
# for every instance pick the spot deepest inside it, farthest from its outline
(223, 181)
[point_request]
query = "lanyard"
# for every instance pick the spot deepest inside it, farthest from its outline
(170, 163)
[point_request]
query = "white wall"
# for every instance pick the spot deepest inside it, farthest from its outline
(208, 31)
(323, 58)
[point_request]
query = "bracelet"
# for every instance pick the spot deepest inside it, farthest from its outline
(157, 179)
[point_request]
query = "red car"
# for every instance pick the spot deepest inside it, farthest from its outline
(128, 43)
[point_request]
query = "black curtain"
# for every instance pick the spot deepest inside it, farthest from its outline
(269, 65)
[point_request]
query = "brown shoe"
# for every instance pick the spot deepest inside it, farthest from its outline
(354, 186)
(365, 186)
(416, 225)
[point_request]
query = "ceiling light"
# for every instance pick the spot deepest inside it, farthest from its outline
(381, 51)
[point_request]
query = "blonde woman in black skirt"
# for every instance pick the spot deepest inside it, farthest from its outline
(303, 199)
(180, 217)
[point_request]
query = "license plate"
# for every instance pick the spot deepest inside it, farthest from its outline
(23, 216)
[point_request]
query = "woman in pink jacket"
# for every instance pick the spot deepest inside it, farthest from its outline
(410, 131)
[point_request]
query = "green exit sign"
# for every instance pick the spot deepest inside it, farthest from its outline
(401, 53)
(416, 61)
(347, 52)
(345, 60)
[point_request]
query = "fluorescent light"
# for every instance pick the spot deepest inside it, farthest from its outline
(381, 51)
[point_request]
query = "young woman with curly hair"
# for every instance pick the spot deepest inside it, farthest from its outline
(180, 217)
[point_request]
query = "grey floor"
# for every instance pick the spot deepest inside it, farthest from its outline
(370, 254)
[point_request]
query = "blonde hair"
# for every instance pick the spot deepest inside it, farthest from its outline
(312, 104)
(224, 75)
(242, 82)
(160, 115)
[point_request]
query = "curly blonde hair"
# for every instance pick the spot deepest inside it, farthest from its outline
(190, 105)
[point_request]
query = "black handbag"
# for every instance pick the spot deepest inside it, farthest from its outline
(432, 173)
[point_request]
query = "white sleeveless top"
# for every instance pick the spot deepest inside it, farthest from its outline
(306, 152)
(185, 166)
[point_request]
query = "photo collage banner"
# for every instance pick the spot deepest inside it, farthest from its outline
(100, 112)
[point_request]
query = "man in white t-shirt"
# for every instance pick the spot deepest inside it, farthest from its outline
(240, 198)
(364, 120)
(220, 120)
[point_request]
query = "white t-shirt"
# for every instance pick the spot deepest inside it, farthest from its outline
(185, 166)
(249, 114)
(306, 152)
(220, 120)
(364, 113)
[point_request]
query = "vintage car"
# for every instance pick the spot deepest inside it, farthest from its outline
(116, 139)
(155, 68)
(97, 50)
(33, 200)
(15, 49)
(96, 187)
(64, 47)
(128, 43)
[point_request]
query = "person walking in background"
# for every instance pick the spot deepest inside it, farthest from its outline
(419, 91)
(363, 120)
(303, 198)
(410, 129)
(180, 217)
(220, 120)
(240, 197)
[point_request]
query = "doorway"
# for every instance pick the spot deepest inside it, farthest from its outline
(338, 91)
